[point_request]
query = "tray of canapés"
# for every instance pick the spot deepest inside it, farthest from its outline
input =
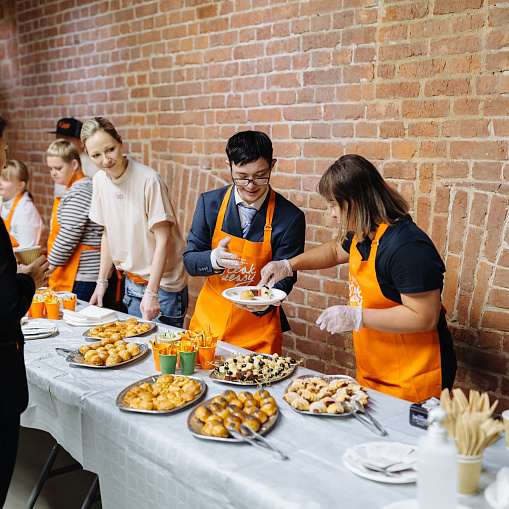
(213, 419)
(106, 353)
(253, 369)
(161, 394)
(119, 330)
(327, 396)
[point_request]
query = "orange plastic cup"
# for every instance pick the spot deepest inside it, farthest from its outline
(37, 309)
(69, 304)
(156, 350)
(207, 355)
(53, 310)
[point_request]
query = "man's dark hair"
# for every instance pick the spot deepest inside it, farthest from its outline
(247, 147)
(3, 125)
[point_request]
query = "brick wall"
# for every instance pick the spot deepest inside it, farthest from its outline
(420, 87)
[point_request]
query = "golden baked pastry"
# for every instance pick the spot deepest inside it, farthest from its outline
(247, 295)
(119, 330)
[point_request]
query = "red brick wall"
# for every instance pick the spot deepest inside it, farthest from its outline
(416, 86)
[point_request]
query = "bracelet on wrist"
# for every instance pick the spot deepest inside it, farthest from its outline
(102, 282)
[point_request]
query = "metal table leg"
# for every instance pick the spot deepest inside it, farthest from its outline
(92, 495)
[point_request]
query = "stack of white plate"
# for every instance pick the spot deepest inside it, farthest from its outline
(89, 316)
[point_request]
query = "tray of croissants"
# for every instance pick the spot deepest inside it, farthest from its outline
(106, 353)
(327, 396)
(161, 394)
(213, 419)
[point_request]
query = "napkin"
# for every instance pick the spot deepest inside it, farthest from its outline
(393, 456)
(501, 489)
(90, 314)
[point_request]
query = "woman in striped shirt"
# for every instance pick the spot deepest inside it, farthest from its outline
(74, 241)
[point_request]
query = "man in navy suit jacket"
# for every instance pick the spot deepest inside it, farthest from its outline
(251, 163)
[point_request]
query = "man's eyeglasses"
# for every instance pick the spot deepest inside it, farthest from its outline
(259, 181)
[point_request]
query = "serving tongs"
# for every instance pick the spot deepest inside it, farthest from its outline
(366, 419)
(256, 440)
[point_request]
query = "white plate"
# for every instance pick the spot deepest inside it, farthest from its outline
(411, 503)
(351, 461)
(490, 494)
(39, 335)
(233, 295)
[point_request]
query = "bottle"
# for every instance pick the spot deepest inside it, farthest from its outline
(437, 481)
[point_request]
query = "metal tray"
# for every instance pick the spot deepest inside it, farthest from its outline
(151, 380)
(93, 338)
(325, 378)
(217, 377)
(195, 426)
(75, 357)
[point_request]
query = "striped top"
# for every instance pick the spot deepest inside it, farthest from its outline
(76, 227)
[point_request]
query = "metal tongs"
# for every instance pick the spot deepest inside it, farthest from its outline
(366, 419)
(256, 440)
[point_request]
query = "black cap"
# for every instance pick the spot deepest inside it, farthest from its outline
(68, 127)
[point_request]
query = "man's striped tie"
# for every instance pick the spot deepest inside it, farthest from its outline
(248, 213)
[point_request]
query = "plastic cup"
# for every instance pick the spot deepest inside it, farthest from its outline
(469, 471)
(168, 364)
(52, 310)
(69, 304)
(187, 362)
(505, 417)
(156, 350)
(37, 309)
(207, 354)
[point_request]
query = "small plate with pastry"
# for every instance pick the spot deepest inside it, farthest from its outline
(212, 419)
(325, 396)
(161, 394)
(254, 295)
(131, 328)
(253, 369)
(106, 353)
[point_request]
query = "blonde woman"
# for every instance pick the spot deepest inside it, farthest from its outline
(17, 209)
(402, 344)
(74, 241)
(141, 234)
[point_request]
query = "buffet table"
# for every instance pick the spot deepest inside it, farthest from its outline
(154, 461)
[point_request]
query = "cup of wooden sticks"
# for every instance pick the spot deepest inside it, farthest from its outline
(470, 423)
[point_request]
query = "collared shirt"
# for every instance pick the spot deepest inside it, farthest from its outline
(238, 199)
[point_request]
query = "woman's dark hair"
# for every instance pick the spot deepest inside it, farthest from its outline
(247, 147)
(361, 193)
(3, 125)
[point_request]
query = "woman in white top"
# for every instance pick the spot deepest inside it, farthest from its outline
(21, 218)
(141, 234)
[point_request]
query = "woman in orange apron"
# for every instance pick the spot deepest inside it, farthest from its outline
(402, 344)
(74, 240)
(21, 218)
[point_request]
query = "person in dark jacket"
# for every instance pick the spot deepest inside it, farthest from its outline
(17, 287)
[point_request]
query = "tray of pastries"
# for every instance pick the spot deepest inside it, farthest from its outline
(106, 353)
(327, 396)
(212, 419)
(161, 394)
(253, 369)
(119, 330)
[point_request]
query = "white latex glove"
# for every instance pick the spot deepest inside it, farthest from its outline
(274, 272)
(256, 309)
(341, 319)
(226, 259)
(97, 296)
(149, 307)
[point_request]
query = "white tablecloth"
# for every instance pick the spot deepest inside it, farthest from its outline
(147, 461)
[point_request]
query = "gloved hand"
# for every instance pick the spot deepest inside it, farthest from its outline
(273, 272)
(341, 319)
(100, 290)
(256, 309)
(224, 257)
(149, 306)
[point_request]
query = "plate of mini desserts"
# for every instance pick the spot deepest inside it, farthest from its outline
(254, 295)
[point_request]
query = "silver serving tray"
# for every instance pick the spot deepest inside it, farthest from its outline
(94, 338)
(217, 377)
(195, 426)
(151, 380)
(328, 379)
(76, 358)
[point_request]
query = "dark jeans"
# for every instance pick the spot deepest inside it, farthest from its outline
(173, 304)
(83, 289)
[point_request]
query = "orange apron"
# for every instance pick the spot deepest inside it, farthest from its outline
(232, 324)
(63, 277)
(7, 221)
(403, 365)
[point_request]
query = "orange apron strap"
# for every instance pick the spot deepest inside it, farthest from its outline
(7, 221)
(135, 278)
(119, 285)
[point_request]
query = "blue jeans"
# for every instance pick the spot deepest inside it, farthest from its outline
(173, 304)
(84, 289)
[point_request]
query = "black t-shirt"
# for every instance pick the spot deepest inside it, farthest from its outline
(407, 262)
